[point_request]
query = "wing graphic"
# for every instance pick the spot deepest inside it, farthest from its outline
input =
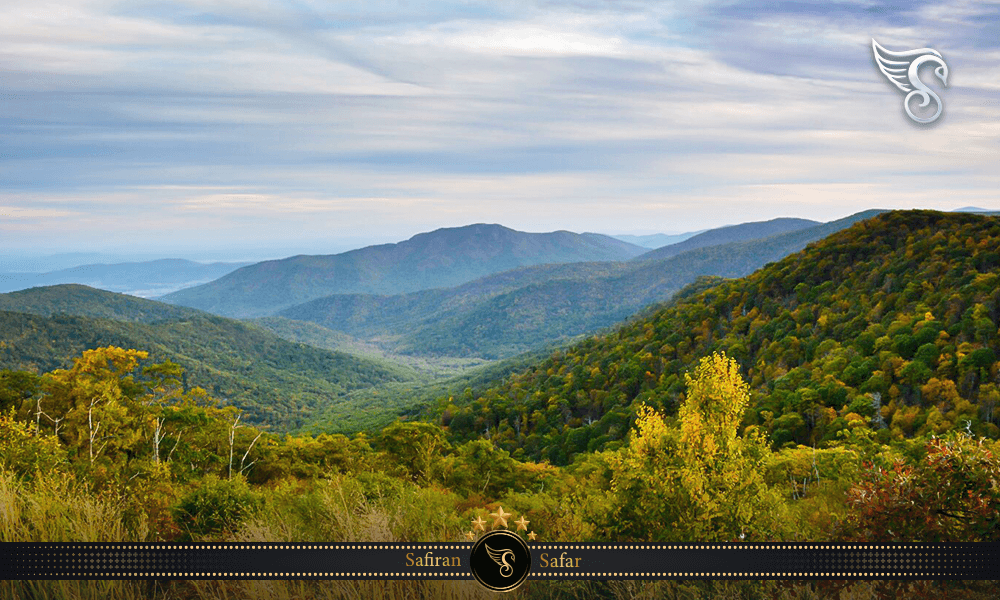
(895, 65)
(498, 555)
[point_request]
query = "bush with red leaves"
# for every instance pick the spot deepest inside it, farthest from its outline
(952, 494)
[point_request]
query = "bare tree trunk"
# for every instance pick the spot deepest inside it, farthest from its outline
(176, 442)
(232, 440)
(39, 413)
(93, 430)
(247, 453)
(157, 437)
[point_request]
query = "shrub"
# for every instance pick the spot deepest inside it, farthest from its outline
(24, 451)
(216, 505)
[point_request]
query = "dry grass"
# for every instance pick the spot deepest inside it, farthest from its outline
(55, 509)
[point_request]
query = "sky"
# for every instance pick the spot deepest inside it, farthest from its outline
(220, 127)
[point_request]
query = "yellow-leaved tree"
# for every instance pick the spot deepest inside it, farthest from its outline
(93, 398)
(697, 480)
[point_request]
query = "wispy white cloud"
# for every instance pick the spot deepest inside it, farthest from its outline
(246, 119)
(25, 212)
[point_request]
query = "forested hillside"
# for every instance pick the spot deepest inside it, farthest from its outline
(891, 324)
(367, 315)
(276, 382)
(84, 301)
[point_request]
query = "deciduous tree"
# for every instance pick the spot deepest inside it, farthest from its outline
(699, 479)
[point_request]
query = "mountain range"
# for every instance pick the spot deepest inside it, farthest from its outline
(357, 359)
(441, 258)
(743, 232)
(512, 312)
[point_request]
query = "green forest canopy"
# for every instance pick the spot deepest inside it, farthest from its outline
(891, 325)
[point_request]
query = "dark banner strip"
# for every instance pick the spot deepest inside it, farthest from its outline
(768, 561)
(452, 561)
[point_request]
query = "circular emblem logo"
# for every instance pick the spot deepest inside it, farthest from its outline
(500, 560)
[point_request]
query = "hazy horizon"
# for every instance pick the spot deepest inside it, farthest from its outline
(34, 260)
(24, 261)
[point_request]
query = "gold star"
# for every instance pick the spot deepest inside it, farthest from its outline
(478, 524)
(469, 536)
(532, 535)
(500, 517)
(522, 523)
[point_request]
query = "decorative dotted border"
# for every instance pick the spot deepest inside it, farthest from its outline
(773, 546)
(234, 575)
(261, 546)
(567, 575)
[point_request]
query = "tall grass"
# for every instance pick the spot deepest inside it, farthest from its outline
(337, 590)
(54, 508)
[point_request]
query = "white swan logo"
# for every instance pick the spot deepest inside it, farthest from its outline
(901, 68)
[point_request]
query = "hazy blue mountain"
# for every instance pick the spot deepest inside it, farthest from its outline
(442, 258)
(974, 209)
(516, 311)
(733, 233)
(15, 262)
(656, 240)
(145, 279)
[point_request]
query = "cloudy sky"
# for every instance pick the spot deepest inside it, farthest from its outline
(193, 126)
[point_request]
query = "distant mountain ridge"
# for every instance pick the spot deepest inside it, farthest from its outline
(442, 258)
(656, 240)
(733, 233)
(973, 209)
(144, 279)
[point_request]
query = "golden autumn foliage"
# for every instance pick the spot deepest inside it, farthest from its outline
(697, 480)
